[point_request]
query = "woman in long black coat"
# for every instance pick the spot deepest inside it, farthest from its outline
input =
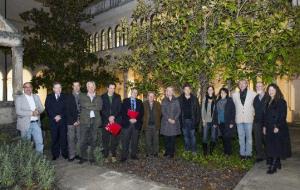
(275, 129)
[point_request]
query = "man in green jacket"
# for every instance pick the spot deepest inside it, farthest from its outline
(90, 120)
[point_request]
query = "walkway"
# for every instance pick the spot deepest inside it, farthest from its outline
(288, 178)
(72, 176)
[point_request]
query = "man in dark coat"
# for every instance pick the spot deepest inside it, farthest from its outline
(259, 105)
(189, 118)
(56, 109)
(131, 126)
(111, 113)
(72, 115)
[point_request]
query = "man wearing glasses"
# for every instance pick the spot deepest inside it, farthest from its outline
(28, 110)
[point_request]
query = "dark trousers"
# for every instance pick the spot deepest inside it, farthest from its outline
(59, 139)
(152, 142)
(189, 135)
(170, 145)
(259, 140)
(110, 143)
(226, 137)
(88, 137)
(130, 137)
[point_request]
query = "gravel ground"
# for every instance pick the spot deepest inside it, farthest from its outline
(180, 173)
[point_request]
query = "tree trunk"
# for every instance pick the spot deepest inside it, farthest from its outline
(125, 78)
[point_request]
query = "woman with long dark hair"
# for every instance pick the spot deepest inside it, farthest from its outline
(275, 128)
(224, 118)
(207, 110)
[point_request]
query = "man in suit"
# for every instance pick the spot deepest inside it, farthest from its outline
(111, 113)
(243, 101)
(56, 108)
(28, 110)
(131, 126)
(259, 103)
(72, 115)
(90, 121)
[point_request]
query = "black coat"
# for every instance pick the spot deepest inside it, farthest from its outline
(71, 110)
(195, 110)
(111, 109)
(126, 105)
(229, 117)
(259, 108)
(277, 144)
(56, 107)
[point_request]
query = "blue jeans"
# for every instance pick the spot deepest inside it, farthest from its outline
(34, 131)
(189, 135)
(213, 132)
(245, 138)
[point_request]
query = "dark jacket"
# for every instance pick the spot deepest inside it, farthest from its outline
(157, 114)
(56, 107)
(111, 109)
(126, 105)
(278, 144)
(259, 108)
(229, 113)
(229, 118)
(71, 109)
(195, 107)
(86, 106)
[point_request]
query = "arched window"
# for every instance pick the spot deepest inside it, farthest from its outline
(103, 40)
(96, 40)
(91, 43)
(27, 76)
(118, 36)
(109, 39)
(125, 36)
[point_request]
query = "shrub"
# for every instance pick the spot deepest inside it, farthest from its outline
(23, 168)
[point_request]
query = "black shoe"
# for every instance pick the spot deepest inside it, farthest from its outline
(259, 160)
(248, 157)
(77, 157)
(171, 156)
(278, 163)
(273, 168)
(82, 161)
(147, 155)
(54, 158)
(71, 159)
(166, 154)
(65, 157)
(134, 157)
(204, 146)
(123, 159)
(155, 155)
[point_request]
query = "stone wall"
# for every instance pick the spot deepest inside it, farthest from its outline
(7, 113)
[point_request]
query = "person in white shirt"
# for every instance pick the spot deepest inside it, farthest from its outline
(28, 110)
(244, 117)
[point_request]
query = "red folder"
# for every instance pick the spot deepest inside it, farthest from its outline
(113, 128)
(132, 114)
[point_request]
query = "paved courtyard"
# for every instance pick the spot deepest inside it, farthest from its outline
(72, 176)
(288, 178)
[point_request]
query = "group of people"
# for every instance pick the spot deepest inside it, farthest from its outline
(76, 120)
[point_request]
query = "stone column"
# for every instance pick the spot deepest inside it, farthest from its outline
(17, 70)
